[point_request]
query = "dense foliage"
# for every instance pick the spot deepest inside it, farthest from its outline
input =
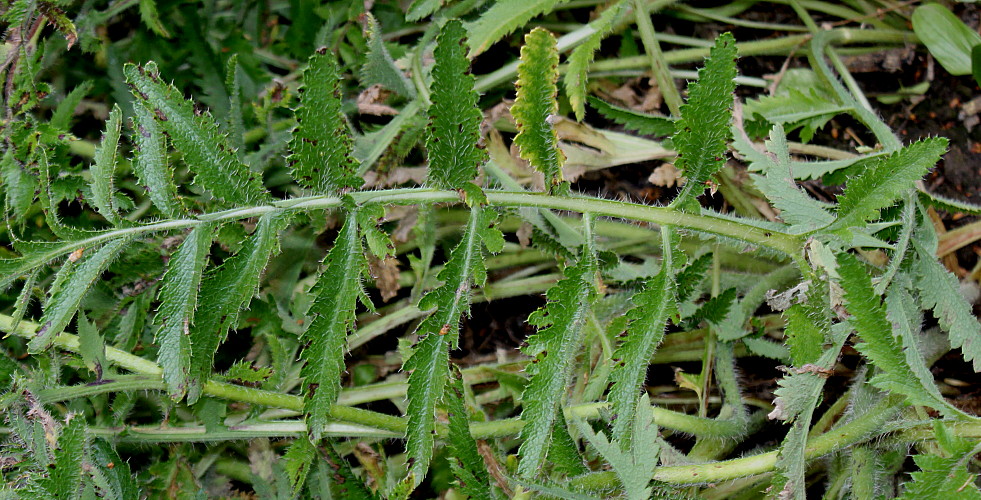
(258, 280)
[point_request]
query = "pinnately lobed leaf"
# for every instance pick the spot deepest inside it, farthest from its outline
(440, 330)
(553, 349)
(196, 136)
(332, 315)
(104, 168)
(886, 180)
(632, 120)
(502, 18)
(703, 131)
(150, 163)
(322, 157)
(227, 290)
(454, 116)
(64, 478)
(75, 280)
(653, 306)
(178, 298)
(534, 106)
(582, 56)
(879, 344)
(777, 184)
(379, 68)
(468, 467)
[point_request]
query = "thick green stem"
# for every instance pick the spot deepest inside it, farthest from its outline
(714, 224)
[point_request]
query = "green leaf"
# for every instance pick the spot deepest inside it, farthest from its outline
(647, 320)
(151, 165)
(196, 136)
(322, 151)
(563, 452)
(64, 301)
(62, 117)
(795, 108)
(245, 371)
(178, 298)
(798, 209)
(691, 276)
(421, 9)
(440, 330)
(804, 333)
(64, 478)
(947, 38)
(298, 460)
(57, 18)
(454, 115)
(226, 291)
(92, 347)
(944, 476)
(148, 12)
(379, 68)
(104, 168)
(903, 312)
(879, 344)
(503, 17)
(883, 182)
(582, 56)
(235, 124)
(702, 132)
(976, 63)
(468, 467)
(331, 318)
(534, 106)
(797, 397)
(655, 125)
(343, 483)
(110, 473)
(939, 291)
(553, 350)
(635, 465)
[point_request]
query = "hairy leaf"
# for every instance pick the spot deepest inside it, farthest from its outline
(64, 300)
(331, 318)
(342, 482)
(64, 478)
(804, 334)
(634, 465)
(379, 68)
(468, 467)
(798, 209)
(322, 151)
(534, 106)
(454, 115)
(148, 12)
(703, 129)
(62, 117)
(940, 292)
(226, 291)
(150, 163)
(797, 397)
(631, 120)
(553, 350)
(582, 56)
(110, 473)
(196, 136)
(879, 344)
(178, 298)
(441, 330)
(420, 9)
(653, 306)
(91, 346)
(104, 168)
(502, 18)
(883, 182)
(298, 460)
